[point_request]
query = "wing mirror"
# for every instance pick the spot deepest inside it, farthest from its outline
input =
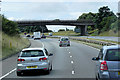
(50, 54)
(95, 58)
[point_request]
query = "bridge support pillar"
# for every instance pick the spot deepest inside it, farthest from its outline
(83, 30)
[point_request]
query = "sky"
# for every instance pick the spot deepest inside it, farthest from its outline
(53, 9)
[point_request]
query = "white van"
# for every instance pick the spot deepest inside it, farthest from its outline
(37, 35)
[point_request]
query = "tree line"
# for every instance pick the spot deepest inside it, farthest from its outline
(105, 20)
(30, 29)
(9, 27)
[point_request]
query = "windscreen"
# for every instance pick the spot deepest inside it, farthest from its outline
(32, 53)
(113, 55)
(64, 39)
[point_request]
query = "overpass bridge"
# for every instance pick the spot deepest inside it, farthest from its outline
(81, 24)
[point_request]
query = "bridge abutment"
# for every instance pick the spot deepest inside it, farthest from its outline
(83, 29)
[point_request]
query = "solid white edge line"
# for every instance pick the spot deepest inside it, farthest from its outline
(73, 72)
(7, 74)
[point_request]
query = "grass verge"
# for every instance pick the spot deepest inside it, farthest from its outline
(12, 45)
(89, 44)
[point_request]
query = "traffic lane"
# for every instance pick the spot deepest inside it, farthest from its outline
(82, 57)
(10, 63)
(61, 66)
(61, 61)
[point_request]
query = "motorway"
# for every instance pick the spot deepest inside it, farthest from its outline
(68, 62)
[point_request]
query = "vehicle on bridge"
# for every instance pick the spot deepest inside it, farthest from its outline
(34, 59)
(108, 63)
(64, 41)
(37, 35)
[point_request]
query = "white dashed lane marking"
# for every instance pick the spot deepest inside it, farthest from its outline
(72, 62)
(70, 56)
(73, 72)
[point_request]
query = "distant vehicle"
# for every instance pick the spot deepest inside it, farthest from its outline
(34, 59)
(28, 35)
(25, 33)
(64, 41)
(107, 63)
(37, 35)
(32, 36)
(43, 36)
(50, 34)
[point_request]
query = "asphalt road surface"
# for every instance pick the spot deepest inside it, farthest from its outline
(68, 62)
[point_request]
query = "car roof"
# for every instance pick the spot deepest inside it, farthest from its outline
(111, 47)
(32, 49)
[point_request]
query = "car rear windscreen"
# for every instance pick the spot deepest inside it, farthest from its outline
(64, 39)
(32, 53)
(113, 55)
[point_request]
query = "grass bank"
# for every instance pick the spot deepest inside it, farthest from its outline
(110, 33)
(12, 45)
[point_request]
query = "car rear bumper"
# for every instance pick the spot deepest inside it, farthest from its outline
(64, 44)
(106, 75)
(43, 66)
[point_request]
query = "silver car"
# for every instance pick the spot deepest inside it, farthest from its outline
(108, 63)
(64, 41)
(31, 59)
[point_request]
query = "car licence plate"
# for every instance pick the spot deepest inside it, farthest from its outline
(31, 67)
(119, 73)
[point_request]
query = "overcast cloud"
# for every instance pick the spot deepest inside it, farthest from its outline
(53, 9)
(60, 0)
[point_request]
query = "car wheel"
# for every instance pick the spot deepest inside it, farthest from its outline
(51, 68)
(18, 73)
(96, 78)
(48, 71)
(60, 45)
(68, 45)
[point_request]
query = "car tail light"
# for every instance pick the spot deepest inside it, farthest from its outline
(68, 41)
(18, 70)
(21, 60)
(60, 41)
(45, 68)
(103, 66)
(43, 58)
